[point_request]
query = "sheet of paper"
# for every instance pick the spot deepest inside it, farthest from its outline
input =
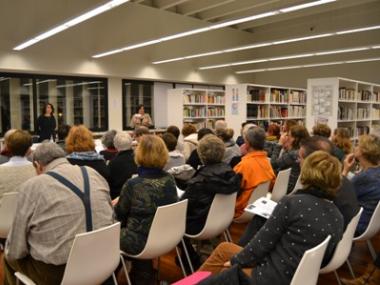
(262, 207)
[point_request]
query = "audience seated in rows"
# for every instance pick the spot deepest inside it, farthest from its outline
(5, 153)
(342, 141)
(80, 147)
(254, 167)
(194, 161)
(107, 141)
(176, 158)
(366, 182)
(273, 133)
(50, 214)
(139, 200)
(174, 130)
(298, 223)
(289, 157)
(190, 139)
(123, 165)
(138, 133)
(18, 169)
(232, 149)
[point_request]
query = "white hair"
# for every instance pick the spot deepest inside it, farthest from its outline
(220, 125)
(122, 141)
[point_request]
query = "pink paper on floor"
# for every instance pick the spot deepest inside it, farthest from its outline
(194, 278)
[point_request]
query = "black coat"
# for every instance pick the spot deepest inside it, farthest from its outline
(99, 165)
(121, 168)
(46, 127)
(200, 191)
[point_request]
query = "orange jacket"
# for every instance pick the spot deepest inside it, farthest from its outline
(255, 169)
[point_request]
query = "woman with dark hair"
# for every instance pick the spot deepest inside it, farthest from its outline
(46, 123)
(141, 118)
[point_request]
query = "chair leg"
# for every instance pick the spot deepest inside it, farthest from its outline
(180, 262)
(125, 270)
(229, 235)
(371, 249)
(351, 269)
(337, 277)
(187, 256)
(114, 279)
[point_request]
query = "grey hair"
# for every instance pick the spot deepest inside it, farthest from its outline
(47, 152)
(122, 141)
(220, 125)
(255, 137)
(108, 137)
(211, 149)
(246, 128)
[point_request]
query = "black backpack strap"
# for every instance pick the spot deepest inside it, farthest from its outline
(85, 197)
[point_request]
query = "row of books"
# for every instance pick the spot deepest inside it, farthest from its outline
(364, 95)
(346, 112)
(256, 95)
(346, 93)
(363, 113)
(376, 113)
(297, 97)
(217, 99)
(194, 98)
(279, 96)
(257, 111)
(279, 112)
(362, 130)
(214, 112)
(297, 111)
(376, 96)
(194, 112)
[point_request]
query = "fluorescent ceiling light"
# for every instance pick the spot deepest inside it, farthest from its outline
(264, 44)
(214, 27)
(294, 56)
(308, 65)
(81, 18)
(78, 84)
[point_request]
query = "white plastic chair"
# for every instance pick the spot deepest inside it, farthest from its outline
(308, 269)
(342, 250)
(93, 258)
(298, 186)
(260, 191)
(281, 185)
(166, 232)
(8, 207)
(218, 220)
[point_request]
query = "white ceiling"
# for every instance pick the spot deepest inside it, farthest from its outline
(141, 20)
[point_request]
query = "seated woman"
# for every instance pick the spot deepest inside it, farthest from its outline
(289, 158)
(232, 149)
(139, 200)
(367, 181)
(107, 140)
(298, 223)
(342, 141)
(80, 147)
(176, 158)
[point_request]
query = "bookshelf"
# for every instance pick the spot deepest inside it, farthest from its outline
(342, 102)
(263, 104)
(199, 107)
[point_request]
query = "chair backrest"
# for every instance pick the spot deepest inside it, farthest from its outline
(281, 185)
(373, 225)
(308, 269)
(8, 206)
(219, 216)
(260, 191)
(343, 249)
(93, 257)
(298, 186)
(166, 231)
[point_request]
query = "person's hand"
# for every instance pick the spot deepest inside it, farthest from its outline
(227, 264)
(283, 139)
(348, 163)
(115, 201)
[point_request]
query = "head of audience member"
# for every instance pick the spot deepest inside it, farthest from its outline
(211, 150)
(321, 170)
(322, 130)
(274, 130)
(296, 135)
(79, 139)
(188, 129)
(19, 143)
(140, 109)
(220, 124)
(341, 138)
(313, 144)
(225, 134)
(48, 109)
(246, 127)
(204, 131)
(63, 132)
(107, 139)
(140, 132)
(5, 149)
(122, 141)
(255, 139)
(151, 152)
(288, 124)
(367, 152)
(45, 154)
(170, 141)
(174, 130)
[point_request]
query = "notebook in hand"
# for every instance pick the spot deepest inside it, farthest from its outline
(262, 207)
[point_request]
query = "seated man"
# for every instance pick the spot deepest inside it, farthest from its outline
(18, 169)
(254, 167)
(50, 214)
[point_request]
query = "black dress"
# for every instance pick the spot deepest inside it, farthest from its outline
(46, 127)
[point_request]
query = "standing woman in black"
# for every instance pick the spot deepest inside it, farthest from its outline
(46, 123)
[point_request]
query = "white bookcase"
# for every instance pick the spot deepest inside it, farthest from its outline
(263, 104)
(197, 106)
(341, 102)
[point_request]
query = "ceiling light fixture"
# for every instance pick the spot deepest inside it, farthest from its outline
(258, 45)
(302, 55)
(215, 27)
(307, 65)
(81, 18)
